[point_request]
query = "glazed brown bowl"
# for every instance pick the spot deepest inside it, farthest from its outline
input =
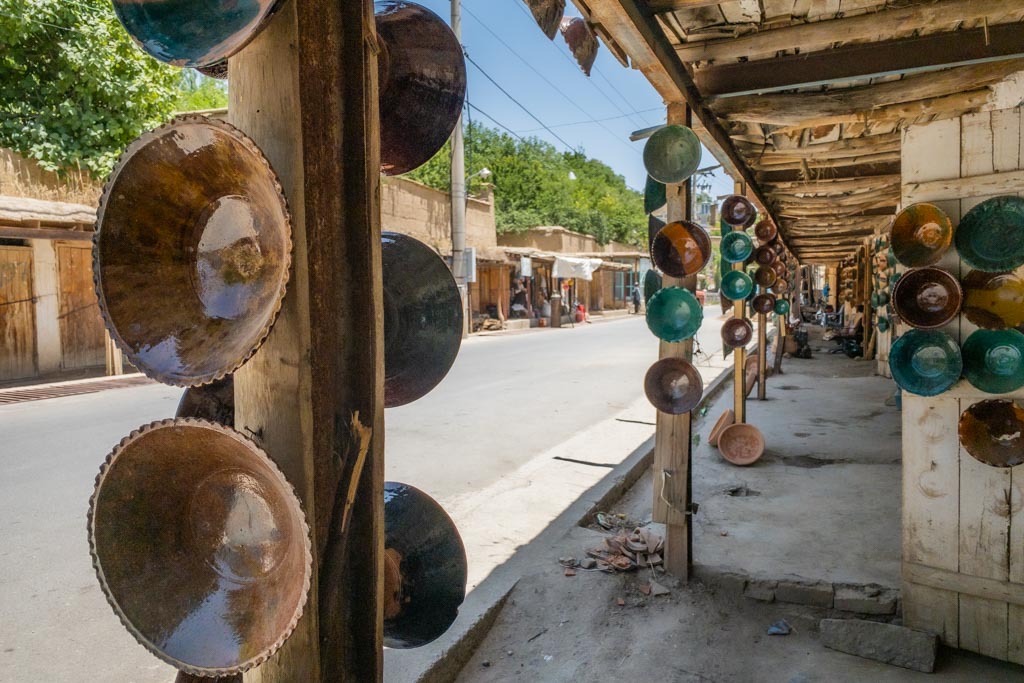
(765, 256)
(737, 332)
(422, 75)
(765, 276)
(927, 298)
(200, 545)
(921, 234)
(738, 211)
(993, 432)
(214, 402)
(763, 303)
(765, 231)
(673, 386)
(681, 249)
(780, 269)
(191, 252)
(741, 444)
(781, 286)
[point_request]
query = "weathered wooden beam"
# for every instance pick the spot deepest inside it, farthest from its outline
(873, 144)
(659, 6)
(305, 90)
(11, 232)
(1010, 182)
(638, 33)
(826, 165)
(832, 185)
(24, 209)
(870, 101)
(915, 54)
(872, 26)
(776, 175)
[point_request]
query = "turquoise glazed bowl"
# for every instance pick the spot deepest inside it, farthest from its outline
(925, 362)
(674, 314)
(655, 195)
(782, 307)
(994, 360)
(672, 154)
(991, 236)
(737, 285)
(652, 284)
(737, 247)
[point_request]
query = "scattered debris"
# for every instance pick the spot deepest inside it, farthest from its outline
(485, 664)
(723, 533)
(657, 589)
(509, 653)
(567, 561)
(548, 658)
(620, 602)
(780, 628)
(569, 571)
(645, 588)
(610, 521)
(536, 636)
(625, 552)
(588, 563)
(741, 491)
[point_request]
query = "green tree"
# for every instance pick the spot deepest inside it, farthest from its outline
(198, 93)
(74, 89)
(533, 186)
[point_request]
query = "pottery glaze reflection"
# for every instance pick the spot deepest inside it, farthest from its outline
(994, 301)
(992, 432)
(422, 319)
(990, 237)
(672, 154)
(925, 362)
(425, 568)
(200, 545)
(681, 249)
(673, 386)
(422, 75)
(921, 234)
(994, 360)
(927, 298)
(192, 251)
(674, 314)
(738, 211)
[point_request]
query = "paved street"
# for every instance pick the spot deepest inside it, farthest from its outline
(507, 399)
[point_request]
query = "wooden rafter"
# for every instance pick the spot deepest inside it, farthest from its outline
(872, 26)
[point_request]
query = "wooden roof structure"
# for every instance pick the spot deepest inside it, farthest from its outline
(805, 100)
(24, 218)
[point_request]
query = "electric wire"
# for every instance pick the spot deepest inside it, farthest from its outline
(493, 120)
(544, 78)
(589, 121)
(520, 104)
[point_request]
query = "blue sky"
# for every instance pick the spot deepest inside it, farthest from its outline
(619, 98)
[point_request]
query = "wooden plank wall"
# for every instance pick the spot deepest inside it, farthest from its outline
(963, 521)
(82, 335)
(17, 314)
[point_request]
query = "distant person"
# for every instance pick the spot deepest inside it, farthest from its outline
(825, 292)
(636, 298)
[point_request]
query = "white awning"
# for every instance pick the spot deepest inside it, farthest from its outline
(581, 268)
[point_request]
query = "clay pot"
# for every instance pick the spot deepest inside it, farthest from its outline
(994, 301)
(990, 237)
(741, 444)
(765, 231)
(763, 303)
(674, 314)
(765, 276)
(724, 420)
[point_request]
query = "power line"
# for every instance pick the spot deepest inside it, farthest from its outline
(589, 121)
(520, 104)
(495, 121)
(544, 78)
(575, 66)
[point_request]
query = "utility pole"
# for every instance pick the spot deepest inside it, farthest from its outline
(458, 181)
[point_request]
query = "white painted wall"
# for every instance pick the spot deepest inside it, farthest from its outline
(44, 265)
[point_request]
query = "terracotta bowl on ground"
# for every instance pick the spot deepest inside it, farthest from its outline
(723, 421)
(741, 444)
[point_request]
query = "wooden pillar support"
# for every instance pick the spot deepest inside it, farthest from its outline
(762, 356)
(672, 449)
(306, 91)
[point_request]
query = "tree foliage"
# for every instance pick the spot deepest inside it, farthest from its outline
(74, 89)
(533, 186)
(197, 92)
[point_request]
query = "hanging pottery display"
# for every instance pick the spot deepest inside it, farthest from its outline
(548, 14)
(674, 314)
(422, 75)
(994, 301)
(736, 247)
(581, 41)
(425, 568)
(673, 386)
(736, 285)
(737, 332)
(200, 545)
(927, 298)
(990, 237)
(925, 362)
(192, 250)
(655, 196)
(994, 360)
(738, 211)
(672, 154)
(681, 249)
(992, 432)
(921, 234)
(422, 319)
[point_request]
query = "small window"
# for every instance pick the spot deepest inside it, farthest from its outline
(5, 242)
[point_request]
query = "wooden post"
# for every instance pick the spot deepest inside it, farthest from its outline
(672, 448)
(762, 356)
(305, 89)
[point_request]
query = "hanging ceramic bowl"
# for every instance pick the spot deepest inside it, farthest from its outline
(993, 432)
(927, 298)
(737, 332)
(883, 324)
(994, 360)
(674, 314)
(681, 249)
(994, 301)
(655, 196)
(736, 285)
(673, 386)
(925, 362)
(654, 226)
(780, 269)
(738, 211)
(781, 286)
(763, 303)
(991, 236)
(782, 307)
(736, 247)
(765, 231)
(921, 234)
(672, 154)
(652, 284)
(193, 33)
(765, 276)
(765, 256)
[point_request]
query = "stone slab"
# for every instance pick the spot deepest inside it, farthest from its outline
(887, 643)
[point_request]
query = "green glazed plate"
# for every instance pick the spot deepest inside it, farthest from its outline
(652, 284)
(991, 236)
(994, 360)
(925, 362)
(781, 307)
(737, 247)
(883, 324)
(672, 154)
(674, 314)
(655, 196)
(737, 285)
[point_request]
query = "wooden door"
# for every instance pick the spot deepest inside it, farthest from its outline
(81, 327)
(17, 314)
